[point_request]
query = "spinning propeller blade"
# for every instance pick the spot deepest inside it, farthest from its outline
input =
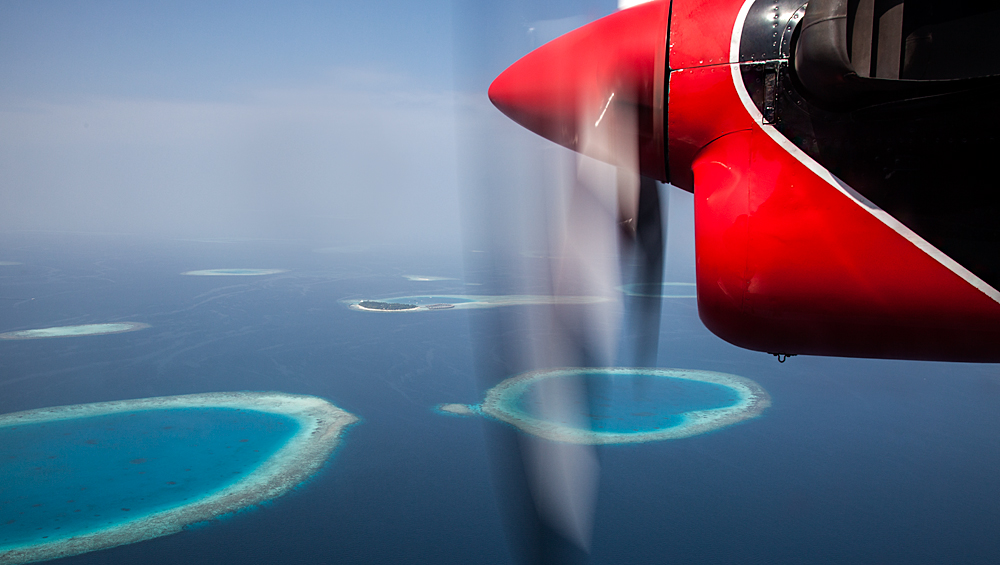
(642, 258)
(598, 91)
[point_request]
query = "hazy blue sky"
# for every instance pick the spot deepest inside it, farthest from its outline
(330, 121)
(218, 51)
(273, 119)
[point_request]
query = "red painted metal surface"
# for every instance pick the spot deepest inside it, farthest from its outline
(703, 106)
(786, 263)
(594, 82)
(721, 214)
(815, 253)
(700, 32)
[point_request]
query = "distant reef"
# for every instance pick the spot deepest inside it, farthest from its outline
(424, 278)
(76, 331)
(432, 302)
(318, 429)
(234, 272)
(660, 290)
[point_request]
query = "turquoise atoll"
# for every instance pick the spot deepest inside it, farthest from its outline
(622, 405)
(76, 331)
(427, 303)
(85, 477)
(234, 272)
(661, 290)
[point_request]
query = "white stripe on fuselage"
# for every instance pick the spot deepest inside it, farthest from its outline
(820, 171)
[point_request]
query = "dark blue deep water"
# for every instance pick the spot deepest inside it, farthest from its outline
(633, 403)
(856, 461)
(72, 476)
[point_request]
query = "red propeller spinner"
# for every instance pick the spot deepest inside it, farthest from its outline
(598, 90)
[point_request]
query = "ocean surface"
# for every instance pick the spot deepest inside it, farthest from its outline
(856, 461)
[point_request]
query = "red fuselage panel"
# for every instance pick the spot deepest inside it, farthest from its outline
(787, 262)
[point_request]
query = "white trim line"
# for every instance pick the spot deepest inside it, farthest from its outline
(879, 214)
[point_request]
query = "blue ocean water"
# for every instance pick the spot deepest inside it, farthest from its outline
(632, 403)
(66, 477)
(856, 461)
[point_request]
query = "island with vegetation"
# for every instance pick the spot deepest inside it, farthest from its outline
(376, 305)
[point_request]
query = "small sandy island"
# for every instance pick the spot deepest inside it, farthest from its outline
(457, 409)
(321, 426)
(76, 331)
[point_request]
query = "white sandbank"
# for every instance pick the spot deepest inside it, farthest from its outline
(666, 290)
(321, 427)
(753, 399)
(457, 409)
(76, 331)
(234, 272)
(471, 301)
(422, 278)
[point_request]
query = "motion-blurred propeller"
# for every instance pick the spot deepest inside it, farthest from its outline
(596, 90)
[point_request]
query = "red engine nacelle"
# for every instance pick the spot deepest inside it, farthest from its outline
(790, 259)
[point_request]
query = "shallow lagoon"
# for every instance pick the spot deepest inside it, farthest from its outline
(83, 477)
(67, 477)
(631, 403)
(620, 405)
